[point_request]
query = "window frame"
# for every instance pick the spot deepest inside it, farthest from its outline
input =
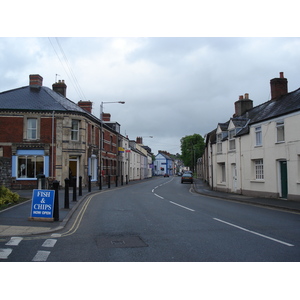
(219, 142)
(259, 169)
(258, 136)
(74, 130)
(231, 139)
(280, 128)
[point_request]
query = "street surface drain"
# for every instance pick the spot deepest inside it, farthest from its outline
(120, 241)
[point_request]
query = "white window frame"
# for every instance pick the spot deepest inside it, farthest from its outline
(219, 143)
(74, 130)
(280, 137)
(259, 169)
(32, 129)
(231, 134)
(258, 136)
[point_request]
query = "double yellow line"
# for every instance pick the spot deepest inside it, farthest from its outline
(79, 217)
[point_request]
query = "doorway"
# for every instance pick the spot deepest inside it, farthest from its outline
(73, 169)
(234, 178)
(283, 179)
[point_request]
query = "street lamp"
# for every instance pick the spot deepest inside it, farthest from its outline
(101, 106)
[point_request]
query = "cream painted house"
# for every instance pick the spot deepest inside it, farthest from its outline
(257, 151)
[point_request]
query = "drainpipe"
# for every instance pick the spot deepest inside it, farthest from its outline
(52, 158)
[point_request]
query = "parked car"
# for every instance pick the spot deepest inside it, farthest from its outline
(187, 177)
(179, 173)
(166, 175)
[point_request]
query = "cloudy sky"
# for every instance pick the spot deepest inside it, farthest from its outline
(173, 86)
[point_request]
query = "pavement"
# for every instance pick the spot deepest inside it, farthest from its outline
(16, 221)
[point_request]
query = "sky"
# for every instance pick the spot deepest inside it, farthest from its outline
(178, 68)
(172, 86)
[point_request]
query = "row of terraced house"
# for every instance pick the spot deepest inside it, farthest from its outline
(256, 152)
(45, 133)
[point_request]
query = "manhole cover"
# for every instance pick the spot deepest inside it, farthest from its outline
(120, 241)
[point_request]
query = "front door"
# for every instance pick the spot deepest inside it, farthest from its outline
(234, 177)
(283, 179)
(73, 167)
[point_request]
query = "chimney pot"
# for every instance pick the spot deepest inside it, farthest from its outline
(281, 75)
(246, 96)
(241, 97)
(60, 87)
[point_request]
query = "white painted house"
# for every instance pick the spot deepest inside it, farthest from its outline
(257, 151)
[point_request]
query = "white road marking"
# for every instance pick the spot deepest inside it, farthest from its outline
(182, 206)
(14, 241)
(159, 196)
(49, 243)
(264, 236)
(4, 253)
(56, 234)
(41, 256)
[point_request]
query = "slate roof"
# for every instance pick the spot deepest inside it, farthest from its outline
(281, 106)
(37, 99)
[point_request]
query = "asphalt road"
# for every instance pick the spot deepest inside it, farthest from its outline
(162, 220)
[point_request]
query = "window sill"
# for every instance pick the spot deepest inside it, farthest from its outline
(258, 180)
(281, 142)
(258, 146)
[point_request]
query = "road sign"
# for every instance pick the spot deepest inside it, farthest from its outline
(42, 204)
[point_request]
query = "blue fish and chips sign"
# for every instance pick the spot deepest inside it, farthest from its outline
(42, 205)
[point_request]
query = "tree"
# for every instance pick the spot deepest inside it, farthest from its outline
(192, 147)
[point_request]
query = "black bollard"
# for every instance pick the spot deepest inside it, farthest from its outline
(90, 186)
(126, 179)
(56, 202)
(80, 186)
(67, 183)
(122, 178)
(100, 182)
(116, 181)
(108, 184)
(74, 189)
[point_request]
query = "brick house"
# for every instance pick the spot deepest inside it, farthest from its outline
(43, 132)
(257, 151)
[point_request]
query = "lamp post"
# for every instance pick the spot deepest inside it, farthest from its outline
(101, 135)
(101, 106)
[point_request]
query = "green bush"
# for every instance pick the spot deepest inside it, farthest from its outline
(7, 196)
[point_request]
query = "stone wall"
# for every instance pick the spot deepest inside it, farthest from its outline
(5, 171)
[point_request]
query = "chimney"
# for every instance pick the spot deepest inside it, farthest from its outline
(242, 105)
(139, 140)
(106, 117)
(86, 105)
(35, 80)
(60, 87)
(279, 86)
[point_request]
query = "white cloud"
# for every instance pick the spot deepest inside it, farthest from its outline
(172, 86)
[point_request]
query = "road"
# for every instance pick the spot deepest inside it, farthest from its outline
(162, 220)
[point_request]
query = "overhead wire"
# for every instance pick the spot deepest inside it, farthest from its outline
(67, 67)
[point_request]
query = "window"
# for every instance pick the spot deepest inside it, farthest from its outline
(258, 136)
(75, 130)
(280, 131)
(30, 166)
(219, 143)
(231, 135)
(31, 129)
(259, 169)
